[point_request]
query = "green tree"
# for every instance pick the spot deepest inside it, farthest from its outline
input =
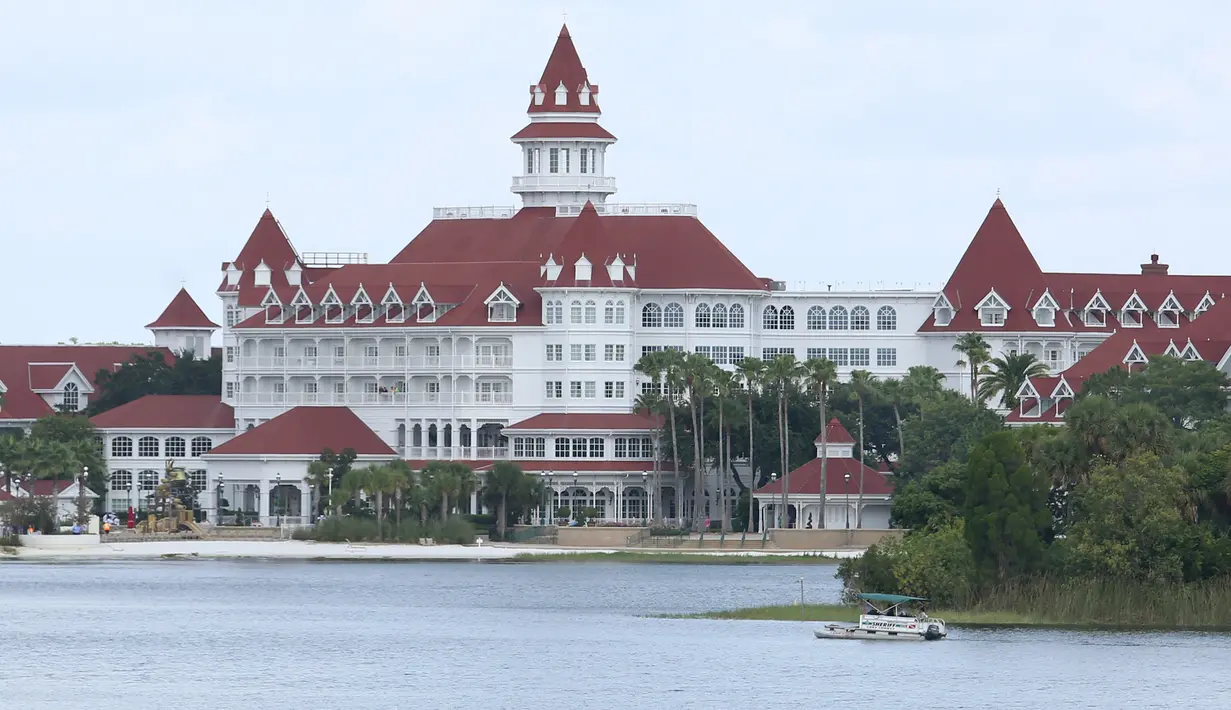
(931, 501)
(1186, 392)
(83, 442)
(946, 427)
(505, 483)
(751, 372)
(150, 373)
(863, 387)
(785, 373)
(975, 352)
(1006, 513)
(822, 373)
(1007, 374)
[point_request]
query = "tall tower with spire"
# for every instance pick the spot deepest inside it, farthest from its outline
(564, 150)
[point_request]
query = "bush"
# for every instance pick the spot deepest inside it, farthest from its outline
(10, 540)
(356, 529)
(937, 566)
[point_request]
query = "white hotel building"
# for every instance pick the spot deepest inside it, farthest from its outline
(506, 332)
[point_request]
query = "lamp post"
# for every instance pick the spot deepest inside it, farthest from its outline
(278, 490)
(218, 503)
(330, 486)
(573, 496)
(645, 499)
(85, 474)
(778, 512)
(847, 476)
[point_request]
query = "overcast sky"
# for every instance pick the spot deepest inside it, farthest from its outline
(826, 141)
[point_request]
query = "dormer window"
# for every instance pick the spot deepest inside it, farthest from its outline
(584, 95)
(1207, 302)
(1190, 352)
(260, 275)
(1131, 314)
(561, 95)
(1045, 311)
(333, 307)
(942, 311)
(364, 313)
(1135, 356)
(502, 306)
(582, 269)
(273, 307)
(992, 310)
(302, 306)
(392, 302)
(1094, 314)
(539, 95)
(70, 399)
(1168, 314)
(424, 306)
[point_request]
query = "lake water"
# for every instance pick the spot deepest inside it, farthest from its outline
(251, 635)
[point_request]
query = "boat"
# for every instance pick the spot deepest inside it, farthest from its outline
(888, 617)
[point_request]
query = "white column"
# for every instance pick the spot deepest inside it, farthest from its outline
(305, 502)
(474, 438)
(616, 496)
(474, 502)
(263, 501)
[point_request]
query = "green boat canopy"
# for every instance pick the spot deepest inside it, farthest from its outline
(890, 598)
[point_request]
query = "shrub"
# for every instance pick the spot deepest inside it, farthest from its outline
(356, 529)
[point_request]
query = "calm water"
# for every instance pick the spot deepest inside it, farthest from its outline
(256, 635)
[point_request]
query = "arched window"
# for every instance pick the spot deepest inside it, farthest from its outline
(702, 317)
(553, 313)
(575, 312)
(121, 447)
(201, 445)
(816, 318)
(70, 399)
(769, 318)
(860, 318)
(148, 480)
(121, 480)
(886, 318)
(837, 318)
(719, 317)
(176, 447)
(786, 318)
(673, 316)
(609, 313)
(619, 315)
(651, 316)
(736, 317)
(591, 313)
(147, 446)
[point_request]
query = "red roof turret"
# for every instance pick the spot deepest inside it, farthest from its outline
(563, 68)
(182, 312)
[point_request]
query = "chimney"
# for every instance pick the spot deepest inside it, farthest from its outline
(1154, 268)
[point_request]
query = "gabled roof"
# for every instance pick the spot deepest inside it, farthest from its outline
(46, 376)
(182, 312)
(564, 68)
(807, 479)
(267, 244)
(22, 402)
(169, 411)
(307, 431)
(836, 434)
(597, 422)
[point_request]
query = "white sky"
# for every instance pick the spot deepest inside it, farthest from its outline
(138, 139)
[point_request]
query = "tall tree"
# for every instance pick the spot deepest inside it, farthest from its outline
(699, 379)
(1006, 513)
(150, 373)
(975, 352)
(751, 372)
(784, 372)
(1186, 392)
(822, 373)
(1007, 374)
(863, 383)
(895, 393)
(506, 482)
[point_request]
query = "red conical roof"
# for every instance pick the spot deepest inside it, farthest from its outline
(835, 433)
(564, 67)
(182, 312)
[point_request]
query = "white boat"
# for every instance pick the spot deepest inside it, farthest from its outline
(888, 617)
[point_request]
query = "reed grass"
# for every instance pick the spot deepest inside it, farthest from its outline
(675, 558)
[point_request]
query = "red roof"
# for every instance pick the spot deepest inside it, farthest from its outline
(564, 68)
(182, 312)
(268, 244)
(37, 487)
(169, 411)
(835, 433)
(603, 422)
(24, 368)
(563, 467)
(308, 430)
(807, 479)
(544, 129)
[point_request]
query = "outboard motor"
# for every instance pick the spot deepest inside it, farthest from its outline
(933, 633)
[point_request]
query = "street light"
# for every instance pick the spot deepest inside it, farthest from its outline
(546, 497)
(645, 499)
(847, 476)
(218, 503)
(85, 474)
(772, 478)
(278, 490)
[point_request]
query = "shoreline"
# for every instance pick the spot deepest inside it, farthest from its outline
(307, 550)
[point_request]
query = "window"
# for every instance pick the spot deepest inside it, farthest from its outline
(197, 479)
(860, 318)
(1095, 317)
(279, 354)
(719, 317)
(575, 352)
(339, 388)
(860, 357)
(886, 357)
(574, 312)
(609, 313)
(886, 318)
(280, 388)
(786, 318)
(673, 316)
(591, 313)
(701, 317)
(613, 390)
(553, 313)
(529, 447)
(651, 316)
(621, 448)
(70, 398)
(555, 389)
(232, 316)
(201, 446)
(553, 160)
(562, 448)
(837, 318)
(769, 318)
(147, 446)
(230, 390)
(529, 161)
(579, 448)
(121, 480)
(619, 314)
(735, 317)
(840, 357)
(768, 354)
(309, 387)
(574, 389)
(564, 153)
(591, 389)
(147, 480)
(591, 352)
(121, 446)
(555, 352)
(816, 353)
(613, 353)
(176, 447)
(991, 316)
(583, 162)
(647, 349)
(598, 448)
(502, 313)
(816, 318)
(230, 354)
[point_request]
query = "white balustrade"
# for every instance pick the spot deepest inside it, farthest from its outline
(382, 363)
(632, 209)
(565, 182)
(400, 398)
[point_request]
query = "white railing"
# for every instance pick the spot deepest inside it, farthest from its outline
(632, 209)
(565, 182)
(376, 363)
(333, 258)
(473, 212)
(443, 399)
(455, 453)
(857, 286)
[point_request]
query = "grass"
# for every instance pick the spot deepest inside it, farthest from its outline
(842, 612)
(675, 558)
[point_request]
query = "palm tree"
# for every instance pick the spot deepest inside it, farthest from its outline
(751, 372)
(505, 480)
(666, 367)
(863, 383)
(699, 378)
(895, 393)
(404, 480)
(54, 459)
(1006, 375)
(654, 403)
(785, 372)
(723, 382)
(822, 372)
(975, 353)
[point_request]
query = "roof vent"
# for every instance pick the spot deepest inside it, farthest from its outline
(1154, 267)
(777, 285)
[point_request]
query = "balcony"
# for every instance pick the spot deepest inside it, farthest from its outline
(444, 399)
(456, 453)
(564, 183)
(632, 209)
(475, 212)
(383, 363)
